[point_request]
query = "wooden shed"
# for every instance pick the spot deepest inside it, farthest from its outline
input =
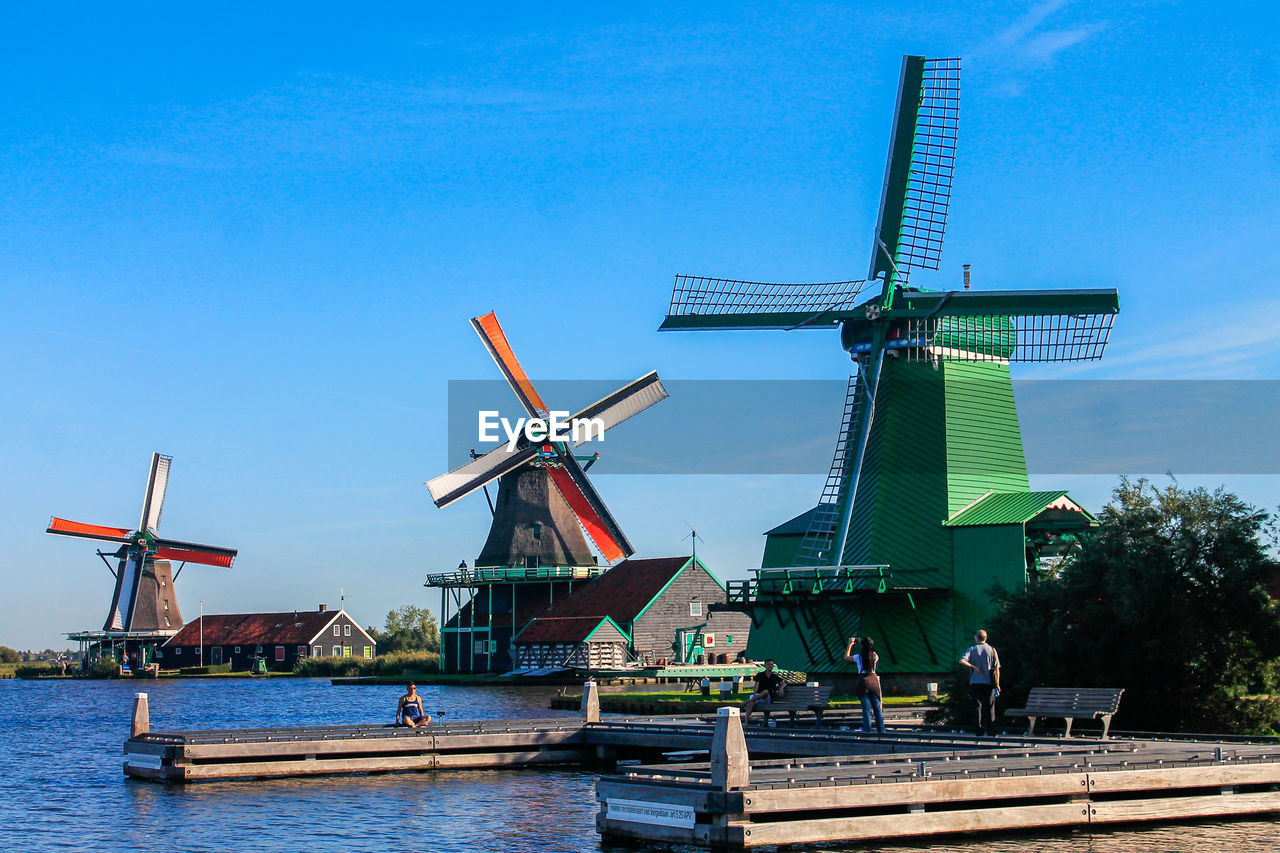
(585, 642)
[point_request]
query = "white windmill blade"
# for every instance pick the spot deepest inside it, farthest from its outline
(153, 501)
(626, 402)
(464, 480)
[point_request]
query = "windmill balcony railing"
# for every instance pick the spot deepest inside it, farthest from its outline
(811, 580)
(508, 574)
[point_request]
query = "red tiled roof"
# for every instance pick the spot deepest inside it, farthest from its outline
(622, 592)
(563, 629)
(248, 629)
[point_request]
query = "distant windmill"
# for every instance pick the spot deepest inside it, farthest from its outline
(929, 424)
(144, 599)
(545, 500)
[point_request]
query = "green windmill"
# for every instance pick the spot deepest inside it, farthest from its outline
(927, 505)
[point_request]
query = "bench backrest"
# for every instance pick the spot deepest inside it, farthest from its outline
(803, 694)
(1089, 700)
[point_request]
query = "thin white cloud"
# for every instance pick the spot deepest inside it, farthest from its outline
(1027, 44)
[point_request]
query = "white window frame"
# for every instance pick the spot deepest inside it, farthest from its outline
(279, 653)
(709, 641)
(695, 608)
(337, 651)
(346, 630)
(346, 651)
(337, 631)
(368, 652)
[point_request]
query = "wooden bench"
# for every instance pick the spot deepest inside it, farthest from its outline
(800, 697)
(1070, 703)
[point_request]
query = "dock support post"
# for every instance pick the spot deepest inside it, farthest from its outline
(730, 764)
(590, 702)
(141, 716)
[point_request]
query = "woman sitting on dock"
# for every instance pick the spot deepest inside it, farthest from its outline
(409, 712)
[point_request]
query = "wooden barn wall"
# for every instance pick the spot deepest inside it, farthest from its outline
(654, 633)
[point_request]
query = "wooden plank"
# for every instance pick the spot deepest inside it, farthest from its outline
(903, 825)
(143, 748)
(250, 769)
(492, 740)
(654, 793)
(1183, 777)
(761, 801)
(1172, 808)
(422, 743)
(510, 759)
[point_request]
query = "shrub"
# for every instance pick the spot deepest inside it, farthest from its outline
(397, 663)
(104, 667)
(329, 667)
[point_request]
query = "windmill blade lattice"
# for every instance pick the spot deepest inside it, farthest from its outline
(1005, 326)
(922, 155)
(720, 303)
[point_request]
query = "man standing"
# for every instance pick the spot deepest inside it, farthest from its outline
(769, 687)
(984, 681)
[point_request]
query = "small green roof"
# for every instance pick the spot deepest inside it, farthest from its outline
(797, 526)
(1013, 508)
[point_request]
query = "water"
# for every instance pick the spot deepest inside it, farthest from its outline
(61, 786)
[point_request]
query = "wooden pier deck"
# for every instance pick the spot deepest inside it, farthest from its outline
(769, 785)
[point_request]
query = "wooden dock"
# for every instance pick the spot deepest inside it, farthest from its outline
(766, 785)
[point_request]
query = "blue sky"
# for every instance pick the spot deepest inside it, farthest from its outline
(251, 238)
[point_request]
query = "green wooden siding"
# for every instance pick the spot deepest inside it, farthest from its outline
(986, 557)
(780, 550)
(902, 496)
(984, 443)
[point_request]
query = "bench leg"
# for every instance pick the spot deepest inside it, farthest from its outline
(1069, 722)
(817, 713)
(1031, 729)
(1106, 725)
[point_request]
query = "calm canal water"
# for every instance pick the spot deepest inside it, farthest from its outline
(61, 786)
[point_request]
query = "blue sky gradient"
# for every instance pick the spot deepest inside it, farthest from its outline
(251, 238)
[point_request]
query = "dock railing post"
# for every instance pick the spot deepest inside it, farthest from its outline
(141, 715)
(590, 702)
(730, 764)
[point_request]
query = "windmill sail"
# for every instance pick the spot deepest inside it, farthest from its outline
(465, 479)
(698, 302)
(626, 402)
(1012, 325)
(495, 340)
(190, 552)
(916, 197)
(153, 500)
(65, 527)
(593, 515)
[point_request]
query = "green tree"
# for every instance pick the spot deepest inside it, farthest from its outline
(408, 629)
(8, 655)
(1167, 599)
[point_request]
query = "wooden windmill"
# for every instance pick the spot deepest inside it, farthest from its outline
(144, 598)
(929, 428)
(536, 549)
